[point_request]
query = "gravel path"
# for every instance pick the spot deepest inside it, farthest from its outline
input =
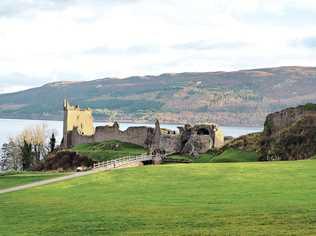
(50, 181)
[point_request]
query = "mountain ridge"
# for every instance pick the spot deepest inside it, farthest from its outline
(242, 97)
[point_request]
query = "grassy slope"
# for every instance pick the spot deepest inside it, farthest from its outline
(105, 151)
(229, 155)
(275, 198)
(12, 180)
(235, 155)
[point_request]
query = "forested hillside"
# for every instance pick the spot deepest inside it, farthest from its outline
(228, 98)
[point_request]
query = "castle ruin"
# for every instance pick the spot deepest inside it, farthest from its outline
(74, 117)
(193, 140)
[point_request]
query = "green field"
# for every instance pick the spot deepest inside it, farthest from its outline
(271, 198)
(229, 155)
(15, 179)
(106, 151)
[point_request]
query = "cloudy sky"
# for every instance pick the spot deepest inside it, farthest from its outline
(49, 40)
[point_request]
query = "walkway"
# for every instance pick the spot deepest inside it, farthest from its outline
(99, 167)
(50, 181)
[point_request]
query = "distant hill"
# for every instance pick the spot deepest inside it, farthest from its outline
(228, 98)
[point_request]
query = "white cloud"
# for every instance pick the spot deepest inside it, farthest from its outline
(58, 40)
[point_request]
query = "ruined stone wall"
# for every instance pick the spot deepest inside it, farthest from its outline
(75, 118)
(213, 131)
(205, 142)
(278, 121)
(197, 144)
(289, 134)
(192, 139)
(219, 140)
(170, 143)
(147, 137)
(79, 129)
(135, 135)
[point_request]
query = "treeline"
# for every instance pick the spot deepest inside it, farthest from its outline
(28, 149)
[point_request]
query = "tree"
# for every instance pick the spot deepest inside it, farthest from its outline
(33, 139)
(27, 149)
(38, 141)
(4, 161)
(27, 155)
(52, 142)
(11, 158)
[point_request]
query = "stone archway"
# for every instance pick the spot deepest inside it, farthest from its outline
(203, 131)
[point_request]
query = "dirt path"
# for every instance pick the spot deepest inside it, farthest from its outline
(50, 181)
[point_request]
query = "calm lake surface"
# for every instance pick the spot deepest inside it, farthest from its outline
(11, 127)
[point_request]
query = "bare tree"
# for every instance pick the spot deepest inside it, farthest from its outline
(26, 149)
(4, 160)
(38, 142)
(11, 158)
(34, 137)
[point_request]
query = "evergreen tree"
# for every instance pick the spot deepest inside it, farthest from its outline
(27, 155)
(52, 142)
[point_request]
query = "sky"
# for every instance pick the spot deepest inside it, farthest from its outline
(44, 41)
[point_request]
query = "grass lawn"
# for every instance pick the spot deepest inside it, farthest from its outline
(229, 155)
(106, 151)
(271, 198)
(235, 155)
(15, 179)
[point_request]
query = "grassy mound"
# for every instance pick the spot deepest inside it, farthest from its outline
(11, 179)
(205, 158)
(271, 198)
(229, 155)
(235, 155)
(108, 150)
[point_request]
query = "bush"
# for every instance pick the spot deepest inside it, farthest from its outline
(6, 173)
(310, 107)
(65, 160)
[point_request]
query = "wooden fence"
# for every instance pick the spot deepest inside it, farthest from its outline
(111, 164)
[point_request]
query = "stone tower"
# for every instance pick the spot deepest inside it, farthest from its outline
(75, 118)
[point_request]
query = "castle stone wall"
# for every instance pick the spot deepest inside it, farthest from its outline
(219, 139)
(79, 129)
(170, 143)
(135, 135)
(76, 118)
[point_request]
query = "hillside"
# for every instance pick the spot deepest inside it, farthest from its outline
(197, 199)
(108, 150)
(289, 134)
(228, 98)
